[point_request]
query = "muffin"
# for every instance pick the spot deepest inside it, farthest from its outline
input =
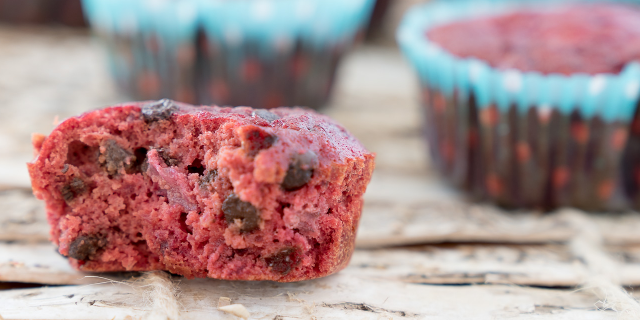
(226, 193)
(530, 104)
(150, 45)
(265, 53)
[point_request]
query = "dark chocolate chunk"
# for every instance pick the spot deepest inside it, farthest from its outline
(208, 178)
(85, 247)
(140, 163)
(79, 154)
(168, 160)
(266, 115)
(284, 260)
(159, 110)
(234, 208)
(196, 167)
(257, 139)
(300, 171)
(115, 157)
(73, 189)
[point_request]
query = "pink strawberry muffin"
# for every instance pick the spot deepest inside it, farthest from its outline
(226, 193)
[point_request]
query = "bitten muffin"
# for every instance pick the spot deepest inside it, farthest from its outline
(529, 104)
(226, 193)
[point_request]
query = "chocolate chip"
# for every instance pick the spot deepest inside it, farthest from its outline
(284, 260)
(257, 139)
(168, 160)
(300, 171)
(266, 115)
(208, 178)
(115, 157)
(158, 110)
(234, 208)
(140, 162)
(75, 188)
(79, 154)
(196, 167)
(85, 247)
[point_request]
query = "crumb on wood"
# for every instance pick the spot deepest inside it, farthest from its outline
(237, 310)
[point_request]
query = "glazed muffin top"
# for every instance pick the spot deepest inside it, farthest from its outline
(586, 38)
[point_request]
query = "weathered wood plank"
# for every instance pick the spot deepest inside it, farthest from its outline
(537, 265)
(22, 217)
(349, 294)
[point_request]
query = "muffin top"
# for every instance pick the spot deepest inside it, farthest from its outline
(586, 38)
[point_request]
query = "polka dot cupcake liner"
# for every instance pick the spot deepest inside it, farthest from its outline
(65, 12)
(523, 139)
(261, 53)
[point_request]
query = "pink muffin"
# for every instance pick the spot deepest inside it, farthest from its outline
(226, 193)
(531, 104)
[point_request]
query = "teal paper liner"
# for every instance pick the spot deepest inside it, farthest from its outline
(236, 52)
(523, 139)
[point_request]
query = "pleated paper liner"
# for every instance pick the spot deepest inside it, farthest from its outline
(302, 76)
(258, 53)
(151, 49)
(64, 12)
(523, 139)
(540, 158)
(631, 162)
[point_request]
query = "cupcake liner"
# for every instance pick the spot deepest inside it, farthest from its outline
(65, 12)
(631, 161)
(26, 11)
(263, 53)
(523, 139)
(151, 45)
(272, 53)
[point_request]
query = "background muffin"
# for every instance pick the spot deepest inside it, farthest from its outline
(259, 53)
(521, 107)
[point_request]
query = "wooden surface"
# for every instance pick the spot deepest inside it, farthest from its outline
(423, 251)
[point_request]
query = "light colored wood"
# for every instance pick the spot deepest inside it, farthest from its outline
(49, 73)
(376, 98)
(350, 294)
(22, 217)
(535, 265)
(41, 263)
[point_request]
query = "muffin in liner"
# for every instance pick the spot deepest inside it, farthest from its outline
(262, 53)
(524, 139)
(276, 52)
(151, 45)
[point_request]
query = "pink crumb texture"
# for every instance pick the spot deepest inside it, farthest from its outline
(575, 38)
(226, 193)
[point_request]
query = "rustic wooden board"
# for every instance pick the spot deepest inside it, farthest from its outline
(376, 98)
(41, 263)
(535, 265)
(411, 212)
(54, 73)
(349, 294)
(22, 217)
